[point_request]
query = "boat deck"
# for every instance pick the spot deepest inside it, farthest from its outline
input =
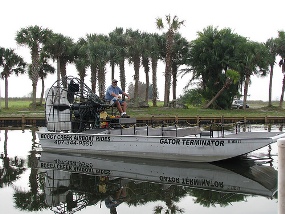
(94, 131)
(184, 132)
(170, 131)
(255, 135)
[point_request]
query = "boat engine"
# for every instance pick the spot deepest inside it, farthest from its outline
(72, 106)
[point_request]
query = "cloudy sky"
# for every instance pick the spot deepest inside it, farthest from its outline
(256, 20)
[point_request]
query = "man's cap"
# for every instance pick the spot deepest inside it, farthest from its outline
(114, 80)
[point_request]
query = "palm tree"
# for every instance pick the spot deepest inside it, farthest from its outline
(282, 65)
(92, 59)
(179, 56)
(45, 69)
(173, 26)
(271, 45)
(280, 49)
(118, 41)
(232, 77)
(210, 56)
(155, 55)
(146, 61)
(61, 49)
(34, 37)
(1, 54)
(81, 62)
(1, 61)
(135, 45)
(113, 52)
(98, 49)
(253, 59)
(11, 63)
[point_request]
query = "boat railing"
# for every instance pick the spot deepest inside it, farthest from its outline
(167, 131)
(78, 201)
(243, 125)
(204, 129)
(208, 128)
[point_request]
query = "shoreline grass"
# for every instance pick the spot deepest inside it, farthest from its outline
(19, 107)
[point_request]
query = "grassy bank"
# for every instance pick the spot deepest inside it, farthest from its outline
(257, 109)
(18, 107)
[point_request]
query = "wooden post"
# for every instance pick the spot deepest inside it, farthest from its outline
(176, 119)
(23, 120)
(281, 175)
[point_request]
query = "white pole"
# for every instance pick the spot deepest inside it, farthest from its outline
(0, 96)
(281, 175)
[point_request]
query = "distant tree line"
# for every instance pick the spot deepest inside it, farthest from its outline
(220, 62)
(141, 91)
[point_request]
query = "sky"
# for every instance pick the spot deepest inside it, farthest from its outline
(257, 20)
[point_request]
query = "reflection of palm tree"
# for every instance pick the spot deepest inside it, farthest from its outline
(170, 209)
(209, 198)
(31, 200)
(169, 198)
(12, 167)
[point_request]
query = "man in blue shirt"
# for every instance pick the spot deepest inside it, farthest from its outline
(113, 95)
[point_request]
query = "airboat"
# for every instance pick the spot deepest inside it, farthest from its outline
(77, 122)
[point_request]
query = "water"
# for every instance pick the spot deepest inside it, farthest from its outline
(44, 183)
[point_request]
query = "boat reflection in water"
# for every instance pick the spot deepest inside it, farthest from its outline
(74, 182)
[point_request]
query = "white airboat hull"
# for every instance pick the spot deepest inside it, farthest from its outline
(192, 149)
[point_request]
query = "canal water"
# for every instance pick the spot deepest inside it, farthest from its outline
(36, 182)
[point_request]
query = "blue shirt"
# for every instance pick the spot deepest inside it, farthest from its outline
(116, 90)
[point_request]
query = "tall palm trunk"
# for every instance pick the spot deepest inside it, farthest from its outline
(167, 85)
(122, 74)
(282, 92)
(35, 74)
(93, 77)
(147, 86)
(6, 92)
(43, 90)
(245, 90)
(102, 81)
(58, 81)
(62, 70)
(270, 86)
(283, 86)
(226, 85)
(58, 70)
(136, 77)
(82, 73)
(113, 70)
(145, 62)
(154, 81)
(174, 82)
